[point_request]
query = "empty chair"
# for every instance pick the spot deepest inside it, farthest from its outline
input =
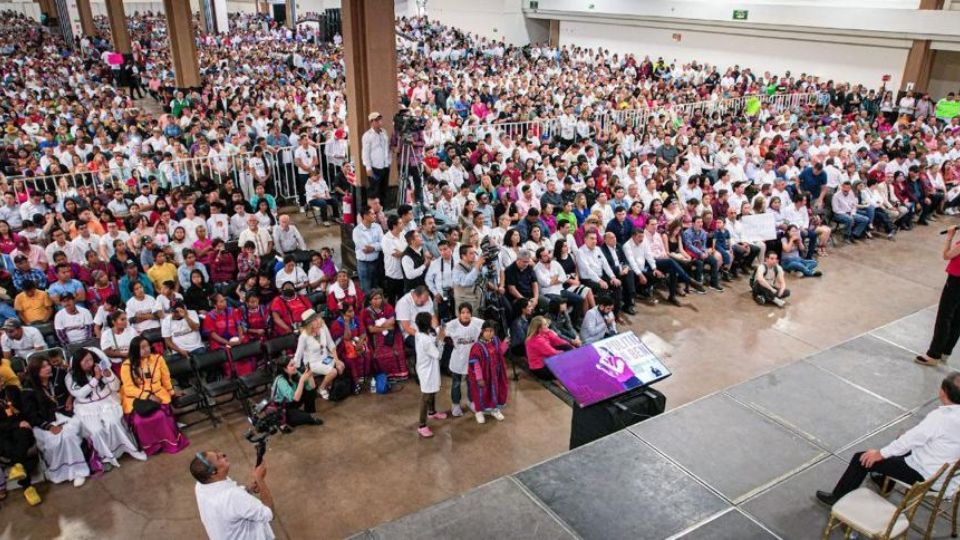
(251, 380)
(279, 346)
(183, 377)
(210, 369)
(869, 514)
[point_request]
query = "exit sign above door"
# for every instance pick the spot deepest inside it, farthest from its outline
(740, 14)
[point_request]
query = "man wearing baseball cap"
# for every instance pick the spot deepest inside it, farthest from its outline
(375, 155)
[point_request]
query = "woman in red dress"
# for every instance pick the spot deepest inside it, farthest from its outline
(380, 321)
(487, 383)
(344, 291)
(351, 338)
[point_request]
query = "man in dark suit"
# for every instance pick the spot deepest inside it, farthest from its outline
(613, 252)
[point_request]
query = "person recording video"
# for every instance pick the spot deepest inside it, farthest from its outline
(227, 509)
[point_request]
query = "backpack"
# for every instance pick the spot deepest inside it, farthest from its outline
(340, 389)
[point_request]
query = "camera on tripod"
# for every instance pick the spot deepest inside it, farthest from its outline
(407, 125)
(490, 252)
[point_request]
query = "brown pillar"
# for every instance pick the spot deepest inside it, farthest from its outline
(554, 33)
(920, 60)
(183, 46)
(371, 57)
(918, 66)
(86, 18)
(118, 26)
(263, 7)
(291, 14)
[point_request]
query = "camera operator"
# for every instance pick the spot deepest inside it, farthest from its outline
(229, 510)
(375, 155)
(466, 277)
(440, 281)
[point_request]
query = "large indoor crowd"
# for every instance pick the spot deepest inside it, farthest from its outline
(136, 243)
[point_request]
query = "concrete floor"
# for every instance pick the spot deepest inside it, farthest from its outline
(366, 465)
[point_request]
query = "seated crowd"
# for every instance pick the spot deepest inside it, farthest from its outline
(118, 259)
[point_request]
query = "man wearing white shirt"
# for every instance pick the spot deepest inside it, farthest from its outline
(393, 245)
(218, 224)
(735, 170)
(551, 276)
(440, 280)
(914, 456)
(229, 510)
(594, 270)
(307, 159)
(375, 155)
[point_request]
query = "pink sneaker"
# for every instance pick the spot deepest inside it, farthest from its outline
(438, 416)
(425, 432)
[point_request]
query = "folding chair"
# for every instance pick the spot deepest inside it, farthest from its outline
(184, 378)
(250, 383)
(869, 514)
(933, 500)
(211, 364)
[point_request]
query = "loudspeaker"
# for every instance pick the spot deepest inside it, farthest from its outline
(599, 420)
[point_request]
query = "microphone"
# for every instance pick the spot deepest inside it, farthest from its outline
(944, 232)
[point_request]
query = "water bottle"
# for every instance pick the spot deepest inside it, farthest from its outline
(373, 385)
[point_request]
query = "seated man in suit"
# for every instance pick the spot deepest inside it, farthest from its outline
(913, 456)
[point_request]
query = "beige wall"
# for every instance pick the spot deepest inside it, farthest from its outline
(945, 74)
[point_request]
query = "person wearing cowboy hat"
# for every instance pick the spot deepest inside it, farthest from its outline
(317, 351)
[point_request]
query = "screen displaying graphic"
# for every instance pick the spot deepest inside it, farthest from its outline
(607, 368)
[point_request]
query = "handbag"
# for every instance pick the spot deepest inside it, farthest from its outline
(146, 407)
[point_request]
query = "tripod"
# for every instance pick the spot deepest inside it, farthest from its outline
(410, 177)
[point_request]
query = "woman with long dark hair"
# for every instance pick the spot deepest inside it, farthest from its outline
(295, 390)
(146, 394)
(97, 407)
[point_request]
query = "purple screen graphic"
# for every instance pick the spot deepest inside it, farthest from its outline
(607, 368)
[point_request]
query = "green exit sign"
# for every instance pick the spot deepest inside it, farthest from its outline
(740, 14)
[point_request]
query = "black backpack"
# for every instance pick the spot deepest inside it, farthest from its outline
(341, 388)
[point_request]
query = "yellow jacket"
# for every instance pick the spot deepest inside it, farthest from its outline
(158, 383)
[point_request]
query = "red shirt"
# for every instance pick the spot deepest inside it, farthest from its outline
(290, 311)
(953, 267)
(225, 324)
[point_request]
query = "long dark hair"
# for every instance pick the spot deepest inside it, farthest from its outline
(135, 372)
(80, 377)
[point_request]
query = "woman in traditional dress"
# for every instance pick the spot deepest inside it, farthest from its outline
(96, 405)
(487, 375)
(380, 321)
(344, 291)
(58, 435)
(145, 378)
(352, 347)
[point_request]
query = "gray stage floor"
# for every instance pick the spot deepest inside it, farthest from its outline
(740, 464)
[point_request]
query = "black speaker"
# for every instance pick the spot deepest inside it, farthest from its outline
(599, 420)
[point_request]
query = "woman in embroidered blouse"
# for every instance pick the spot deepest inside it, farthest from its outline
(115, 340)
(97, 406)
(380, 321)
(144, 376)
(342, 291)
(352, 346)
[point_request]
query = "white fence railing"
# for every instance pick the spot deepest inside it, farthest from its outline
(277, 168)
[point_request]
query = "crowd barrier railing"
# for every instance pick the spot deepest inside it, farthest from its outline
(279, 167)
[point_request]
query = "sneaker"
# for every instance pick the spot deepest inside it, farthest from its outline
(717, 288)
(925, 360)
(480, 418)
(437, 416)
(675, 301)
(79, 481)
(817, 273)
(316, 421)
(326, 223)
(325, 394)
(32, 497)
(497, 414)
(303, 209)
(425, 432)
(16, 473)
(780, 302)
(456, 411)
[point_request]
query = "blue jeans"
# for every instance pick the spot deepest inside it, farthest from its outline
(855, 224)
(804, 266)
(455, 393)
(367, 271)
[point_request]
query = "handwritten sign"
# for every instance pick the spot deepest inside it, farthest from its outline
(759, 227)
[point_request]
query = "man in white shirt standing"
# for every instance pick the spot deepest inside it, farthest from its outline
(229, 510)
(307, 160)
(375, 155)
(914, 456)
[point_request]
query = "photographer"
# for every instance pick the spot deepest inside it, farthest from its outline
(296, 391)
(467, 273)
(440, 281)
(229, 510)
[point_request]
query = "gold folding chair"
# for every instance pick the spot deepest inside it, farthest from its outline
(934, 500)
(872, 516)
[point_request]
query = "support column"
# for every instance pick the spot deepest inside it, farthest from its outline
(263, 7)
(554, 33)
(291, 14)
(920, 60)
(183, 45)
(118, 26)
(86, 18)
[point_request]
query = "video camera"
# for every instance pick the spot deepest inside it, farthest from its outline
(490, 252)
(265, 420)
(405, 124)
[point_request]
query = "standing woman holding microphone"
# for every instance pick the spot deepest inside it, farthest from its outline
(946, 329)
